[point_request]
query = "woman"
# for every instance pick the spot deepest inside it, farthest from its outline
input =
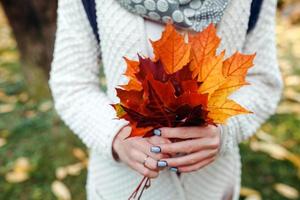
(210, 168)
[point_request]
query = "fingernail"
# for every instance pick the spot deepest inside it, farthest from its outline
(173, 169)
(155, 149)
(157, 132)
(162, 163)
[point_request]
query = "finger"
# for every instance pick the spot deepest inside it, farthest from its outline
(141, 157)
(190, 146)
(146, 171)
(151, 164)
(156, 140)
(146, 147)
(125, 132)
(190, 159)
(197, 166)
(147, 161)
(188, 132)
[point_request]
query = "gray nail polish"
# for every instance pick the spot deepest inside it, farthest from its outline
(155, 149)
(162, 163)
(157, 132)
(173, 169)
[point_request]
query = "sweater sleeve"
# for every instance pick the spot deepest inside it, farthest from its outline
(263, 95)
(74, 81)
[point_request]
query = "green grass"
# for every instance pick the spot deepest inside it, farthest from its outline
(45, 141)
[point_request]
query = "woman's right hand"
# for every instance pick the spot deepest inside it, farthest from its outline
(134, 151)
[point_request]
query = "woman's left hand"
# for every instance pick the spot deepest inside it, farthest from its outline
(199, 144)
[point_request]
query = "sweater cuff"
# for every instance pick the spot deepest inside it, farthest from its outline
(227, 133)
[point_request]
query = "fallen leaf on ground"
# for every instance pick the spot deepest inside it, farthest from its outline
(45, 106)
(75, 169)
(60, 190)
(253, 197)
(20, 171)
(250, 194)
(72, 170)
(286, 191)
(265, 136)
(22, 164)
(292, 95)
(276, 151)
(7, 99)
(2, 142)
(9, 56)
(79, 154)
(61, 173)
(292, 80)
(288, 108)
(295, 159)
(16, 177)
(6, 108)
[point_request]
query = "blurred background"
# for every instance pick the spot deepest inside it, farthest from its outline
(40, 159)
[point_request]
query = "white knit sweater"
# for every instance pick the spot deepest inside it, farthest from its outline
(85, 108)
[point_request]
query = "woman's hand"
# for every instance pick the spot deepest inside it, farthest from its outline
(199, 144)
(135, 152)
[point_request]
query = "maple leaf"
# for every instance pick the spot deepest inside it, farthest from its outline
(132, 69)
(222, 110)
(130, 98)
(234, 70)
(139, 131)
(204, 46)
(211, 74)
(119, 110)
(172, 50)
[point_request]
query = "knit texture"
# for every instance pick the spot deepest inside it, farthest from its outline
(74, 81)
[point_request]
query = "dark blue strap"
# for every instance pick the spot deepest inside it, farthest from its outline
(254, 14)
(90, 9)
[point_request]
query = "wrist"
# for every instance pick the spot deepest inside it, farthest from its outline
(220, 135)
(115, 146)
(116, 143)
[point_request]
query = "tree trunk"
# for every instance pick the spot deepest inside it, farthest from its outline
(33, 23)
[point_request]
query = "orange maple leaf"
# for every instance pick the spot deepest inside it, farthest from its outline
(204, 45)
(139, 131)
(172, 50)
(211, 74)
(131, 70)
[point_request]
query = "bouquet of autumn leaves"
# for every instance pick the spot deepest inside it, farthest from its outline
(185, 84)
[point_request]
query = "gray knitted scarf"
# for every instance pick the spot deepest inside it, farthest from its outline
(191, 14)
